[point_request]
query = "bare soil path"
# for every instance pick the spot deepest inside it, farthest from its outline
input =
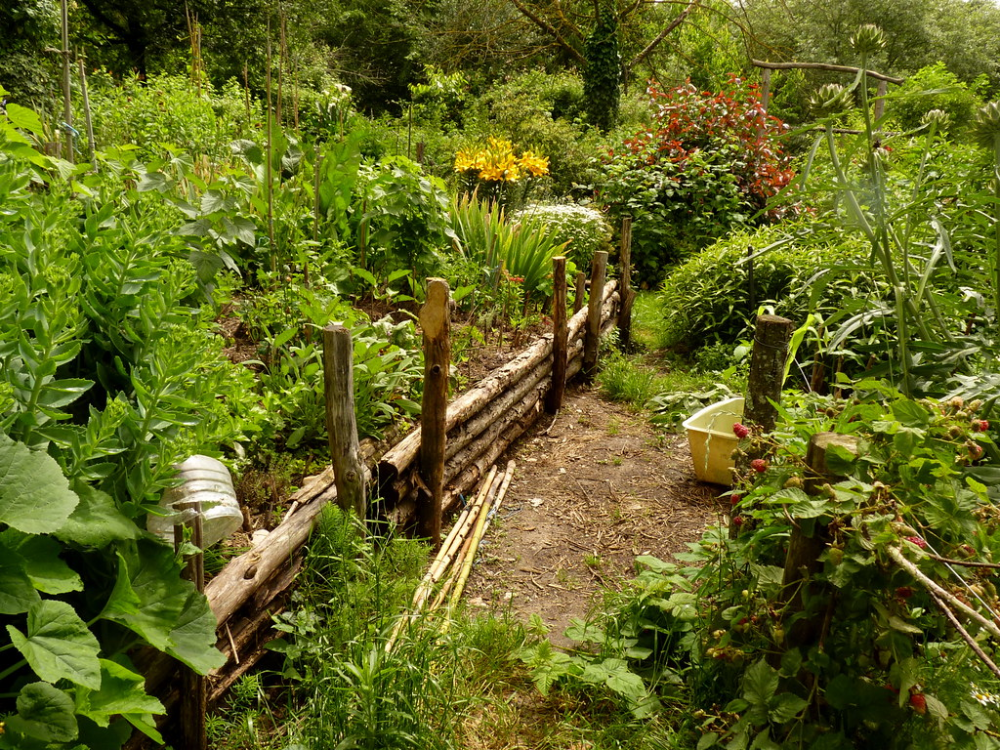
(593, 489)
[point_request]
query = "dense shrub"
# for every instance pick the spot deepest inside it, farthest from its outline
(707, 163)
(707, 299)
(169, 109)
(585, 229)
(540, 111)
(933, 87)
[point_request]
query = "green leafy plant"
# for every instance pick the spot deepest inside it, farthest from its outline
(584, 230)
(878, 632)
(708, 163)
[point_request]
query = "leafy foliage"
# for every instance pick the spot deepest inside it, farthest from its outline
(708, 163)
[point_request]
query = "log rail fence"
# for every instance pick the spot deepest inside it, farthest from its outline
(467, 436)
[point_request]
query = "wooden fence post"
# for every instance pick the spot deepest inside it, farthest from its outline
(883, 90)
(194, 687)
(435, 322)
(807, 541)
(341, 424)
(554, 399)
(592, 338)
(767, 369)
(579, 291)
(626, 291)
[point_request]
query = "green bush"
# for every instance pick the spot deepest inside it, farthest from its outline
(708, 163)
(933, 87)
(585, 229)
(707, 299)
(540, 111)
(169, 110)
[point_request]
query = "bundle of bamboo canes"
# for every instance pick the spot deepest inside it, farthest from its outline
(453, 562)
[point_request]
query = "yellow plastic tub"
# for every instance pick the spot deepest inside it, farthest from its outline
(710, 435)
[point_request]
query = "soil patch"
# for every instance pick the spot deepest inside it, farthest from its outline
(594, 488)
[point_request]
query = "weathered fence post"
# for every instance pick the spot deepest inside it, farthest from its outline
(627, 293)
(66, 92)
(554, 399)
(883, 90)
(592, 338)
(194, 687)
(435, 322)
(579, 291)
(767, 369)
(341, 424)
(808, 539)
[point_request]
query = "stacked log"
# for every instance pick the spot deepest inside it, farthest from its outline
(481, 424)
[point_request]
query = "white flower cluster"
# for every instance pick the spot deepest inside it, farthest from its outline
(586, 229)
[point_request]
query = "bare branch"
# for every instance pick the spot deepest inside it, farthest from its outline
(966, 636)
(825, 66)
(550, 30)
(677, 21)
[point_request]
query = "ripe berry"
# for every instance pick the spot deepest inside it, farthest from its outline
(918, 703)
(917, 541)
(759, 465)
(980, 425)
(904, 592)
(735, 498)
(740, 430)
(738, 521)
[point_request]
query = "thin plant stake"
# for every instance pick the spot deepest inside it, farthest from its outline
(444, 557)
(495, 503)
(477, 537)
(455, 537)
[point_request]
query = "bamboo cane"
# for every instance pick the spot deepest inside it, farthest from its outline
(477, 537)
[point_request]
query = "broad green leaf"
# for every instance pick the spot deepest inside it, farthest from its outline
(708, 740)
(96, 521)
(44, 712)
(910, 413)
(153, 182)
(122, 691)
(151, 599)
(787, 707)
(48, 572)
(58, 645)
(24, 118)
(839, 460)
(936, 708)
(34, 495)
(17, 594)
(759, 684)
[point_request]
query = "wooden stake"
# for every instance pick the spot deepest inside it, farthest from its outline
(883, 90)
(554, 399)
(579, 291)
(626, 291)
(592, 339)
(194, 690)
(765, 89)
(66, 91)
(341, 424)
(435, 322)
(269, 155)
(808, 539)
(767, 369)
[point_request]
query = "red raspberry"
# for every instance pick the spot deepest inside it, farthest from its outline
(738, 521)
(980, 425)
(734, 498)
(740, 430)
(917, 541)
(918, 703)
(759, 465)
(904, 592)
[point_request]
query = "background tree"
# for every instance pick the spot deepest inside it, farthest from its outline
(27, 28)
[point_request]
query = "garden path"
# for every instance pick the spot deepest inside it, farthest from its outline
(594, 488)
